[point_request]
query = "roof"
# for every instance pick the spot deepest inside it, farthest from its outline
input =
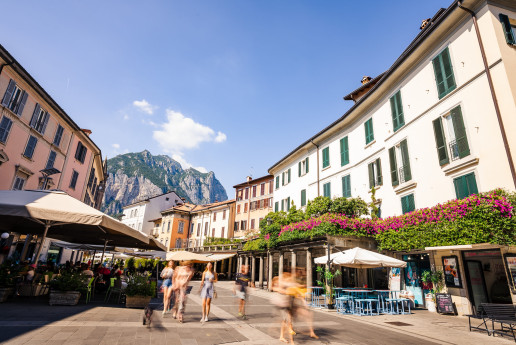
(200, 208)
(370, 83)
(259, 179)
(186, 207)
(18, 68)
(147, 199)
(437, 19)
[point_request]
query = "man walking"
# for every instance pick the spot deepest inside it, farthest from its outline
(240, 289)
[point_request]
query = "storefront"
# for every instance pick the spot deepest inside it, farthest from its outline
(417, 263)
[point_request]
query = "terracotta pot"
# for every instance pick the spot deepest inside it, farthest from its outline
(5, 293)
(64, 297)
(137, 301)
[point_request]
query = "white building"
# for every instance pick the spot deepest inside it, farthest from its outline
(211, 220)
(432, 128)
(139, 214)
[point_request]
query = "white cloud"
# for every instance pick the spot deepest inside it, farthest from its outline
(181, 133)
(145, 106)
(126, 117)
(186, 164)
(115, 146)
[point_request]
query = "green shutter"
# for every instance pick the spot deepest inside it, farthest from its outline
(394, 166)
(307, 165)
(346, 186)
(460, 132)
(397, 111)
(277, 182)
(405, 160)
(369, 130)
(303, 197)
(379, 179)
(440, 142)
(326, 157)
(327, 190)
(443, 70)
(507, 29)
(461, 187)
(371, 175)
(299, 169)
(288, 204)
(283, 178)
(407, 203)
(282, 205)
(288, 175)
(344, 151)
(471, 183)
(276, 206)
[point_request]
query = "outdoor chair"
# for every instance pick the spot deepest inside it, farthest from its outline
(501, 314)
(115, 286)
(89, 290)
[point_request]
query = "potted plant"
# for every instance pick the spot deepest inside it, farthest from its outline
(8, 274)
(327, 284)
(66, 288)
(139, 291)
(434, 281)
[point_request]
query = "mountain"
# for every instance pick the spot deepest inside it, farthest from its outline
(137, 176)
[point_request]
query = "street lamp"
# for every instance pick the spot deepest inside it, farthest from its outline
(46, 173)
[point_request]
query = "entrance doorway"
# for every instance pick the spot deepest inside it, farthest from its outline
(486, 278)
(416, 264)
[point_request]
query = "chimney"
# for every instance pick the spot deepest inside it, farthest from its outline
(366, 79)
(424, 23)
(87, 131)
(248, 178)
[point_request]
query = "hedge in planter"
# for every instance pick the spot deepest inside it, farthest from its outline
(8, 273)
(138, 291)
(66, 288)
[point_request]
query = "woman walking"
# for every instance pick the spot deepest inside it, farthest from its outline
(167, 274)
(182, 276)
(207, 289)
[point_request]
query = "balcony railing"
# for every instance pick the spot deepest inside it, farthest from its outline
(454, 150)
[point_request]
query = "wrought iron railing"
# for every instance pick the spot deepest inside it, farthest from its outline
(454, 150)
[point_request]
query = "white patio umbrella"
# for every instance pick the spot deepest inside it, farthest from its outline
(187, 256)
(361, 258)
(65, 218)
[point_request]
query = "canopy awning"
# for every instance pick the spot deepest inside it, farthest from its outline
(76, 246)
(361, 258)
(220, 257)
(187, 256)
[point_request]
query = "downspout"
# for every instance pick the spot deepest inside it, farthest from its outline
(493, 93)
(317, 166)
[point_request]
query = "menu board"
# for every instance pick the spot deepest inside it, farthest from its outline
(510, 261)
(444, 303)
(451, 272)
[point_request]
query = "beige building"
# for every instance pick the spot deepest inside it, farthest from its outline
(253, 203)
(213, 220)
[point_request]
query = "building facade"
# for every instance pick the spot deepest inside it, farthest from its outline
(213, 220)
(253, 203)
(172, 228)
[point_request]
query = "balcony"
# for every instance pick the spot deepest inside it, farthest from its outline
(454, 150)
(155, 232)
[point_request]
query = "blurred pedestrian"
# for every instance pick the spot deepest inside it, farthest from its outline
(167, 275)
(182, 276)
(242, 281)
(207, 290)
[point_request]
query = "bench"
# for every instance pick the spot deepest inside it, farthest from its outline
(502, 314)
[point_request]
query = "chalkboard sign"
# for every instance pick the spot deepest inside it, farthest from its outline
(444, 303)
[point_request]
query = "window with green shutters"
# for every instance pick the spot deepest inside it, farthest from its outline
(457, 143)
(400, 163)
(276, 206)
(509, 30)
(303, 167)
(303, 197)
(346, 186)
(375, 173)
(440, 141)
(344, 151)
(369, 134)
(277, 182)
(397, 111)
(326, 157)
(327, 190)
(465, 185)
(407, 203)
(285, 177)
(443, 70)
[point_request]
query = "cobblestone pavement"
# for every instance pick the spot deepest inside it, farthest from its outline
(34, 322)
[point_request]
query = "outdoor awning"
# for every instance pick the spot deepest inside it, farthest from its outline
(220, 257)
(75, 246)
(66, 218)
(187, 256)
(361, 258)
(476, 246)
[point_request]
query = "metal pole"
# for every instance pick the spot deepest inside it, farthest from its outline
(103, 251)
(47, 225)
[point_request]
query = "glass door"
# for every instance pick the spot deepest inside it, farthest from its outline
(476, 283)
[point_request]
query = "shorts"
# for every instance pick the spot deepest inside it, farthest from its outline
(167, 283)
(240, 294)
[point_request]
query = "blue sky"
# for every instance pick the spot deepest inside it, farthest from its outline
(229, 86)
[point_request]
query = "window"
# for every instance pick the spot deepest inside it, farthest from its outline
(245, 208)
(303, 167)
(238, 208)
(399, 154)
(369, 134)
(346, 186)
(458, 142)
(222, 232)
(262, 203)
(14, 98)
(39, 119)
(276, 206)
(213, 232)
(375, 173)
(285, 204)
(262, 189)
(444, 73)
(344, 151)
(326, 157)
(51, 160)
(303, 197)
(166, 242)
(198, 229)
(223, 214)
(397, 111)
(252, 223)
(254, 191)
(31, 145)
(178, 243)
(327, 190)
(407, 203)
(206, 229)
(214, 216)
(80, 153)
(92, 176)
(270, 202)
(191, 228)
(58, 136)
(243, 225)
(236, 226)
(168, 227)
(73, 180)
(5, 128)
(509, 29)
(271, 186)
(285, 177)
(19, 182)
(465, 185)
(181, 227)
(247, 193)
(277, 182)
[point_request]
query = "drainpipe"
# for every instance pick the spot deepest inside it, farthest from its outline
(493, 93)
(317, 166)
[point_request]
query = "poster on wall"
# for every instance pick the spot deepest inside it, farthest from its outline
(510, 262)
(451, 272)
(395, 279)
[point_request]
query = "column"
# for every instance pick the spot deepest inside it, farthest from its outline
(239, 264)
(260, 273)
(309, 278)
(280, 268)
(246, 260)
(269, 278)
(253, 269)
(294, 263)
(230, 266)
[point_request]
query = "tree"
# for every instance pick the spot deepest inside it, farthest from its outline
(351, 207)
(294, 215)
(317, 207)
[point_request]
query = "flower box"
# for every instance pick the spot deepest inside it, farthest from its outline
(64, 297)
(137, 301)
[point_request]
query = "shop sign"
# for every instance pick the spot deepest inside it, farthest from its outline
(451, 272)
(444, 303)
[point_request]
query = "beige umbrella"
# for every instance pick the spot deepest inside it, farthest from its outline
(65, 218)
(187, 256)
(361, 258)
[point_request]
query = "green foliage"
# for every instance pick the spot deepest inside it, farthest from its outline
(8, 273)
(138, 285)
(257, 244)
(327, 281)
(436, 278)
(69, 281)
(351, 207)
(294, 215)
(130, 264)
(217, 240)
(374, 209)
(317, 207)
